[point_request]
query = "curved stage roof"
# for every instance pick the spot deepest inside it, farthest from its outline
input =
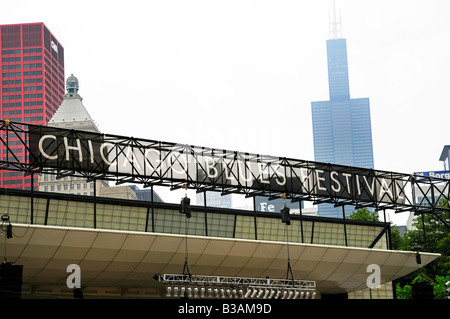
(129, 260)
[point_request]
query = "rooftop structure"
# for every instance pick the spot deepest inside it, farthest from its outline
(72, 113)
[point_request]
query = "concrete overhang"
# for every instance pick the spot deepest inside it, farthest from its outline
(129, 260)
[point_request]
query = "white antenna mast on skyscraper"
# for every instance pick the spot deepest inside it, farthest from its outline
(335, 25)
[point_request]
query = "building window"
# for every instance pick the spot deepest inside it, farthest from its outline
(33, 88)
(32, 58)
(4, 52)
(11, 75)
(32, 65)
(13, 59)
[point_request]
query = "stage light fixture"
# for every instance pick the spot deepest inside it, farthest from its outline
(202, 292)
(278, 294)
(9, 231)
(168, 291)
(195, 292)
(417, 250)
(272, 293)
(235, 287)
(285, 218)
(185, 206)
(5, 219)
(216, 292)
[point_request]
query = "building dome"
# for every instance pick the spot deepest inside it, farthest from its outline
(72, 84)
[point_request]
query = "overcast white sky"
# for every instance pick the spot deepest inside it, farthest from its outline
(241, 74)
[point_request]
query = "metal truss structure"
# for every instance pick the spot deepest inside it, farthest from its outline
(130, 160)
(35, 149)
(194, 286)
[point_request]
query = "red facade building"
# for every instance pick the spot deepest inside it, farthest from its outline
(31, 84)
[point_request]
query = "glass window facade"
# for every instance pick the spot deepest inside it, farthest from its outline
(220, 225)
(341, 126)
(107, 213)
(171, 221)
(338, 82)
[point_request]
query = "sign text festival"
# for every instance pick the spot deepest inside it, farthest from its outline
(154, 162)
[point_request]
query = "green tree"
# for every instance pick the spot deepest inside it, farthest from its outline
(364, 214)
(396, 238)
(439, 286)
(435, 239)
(403, 292)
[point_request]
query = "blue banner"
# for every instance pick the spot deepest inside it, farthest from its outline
(437, 174)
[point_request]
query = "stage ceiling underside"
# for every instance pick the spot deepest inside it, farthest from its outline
(128, 261)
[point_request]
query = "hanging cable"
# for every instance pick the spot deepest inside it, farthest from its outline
(185, 209)
(285, 218)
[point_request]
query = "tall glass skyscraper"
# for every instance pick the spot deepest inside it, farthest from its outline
(341, 126)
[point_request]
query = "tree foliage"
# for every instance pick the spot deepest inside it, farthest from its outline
(435, 239)
(364, 214)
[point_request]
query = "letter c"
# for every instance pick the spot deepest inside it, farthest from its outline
(41, 141)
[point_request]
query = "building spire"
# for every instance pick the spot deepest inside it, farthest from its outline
(335, 25)
(72, 87)
(72, 84)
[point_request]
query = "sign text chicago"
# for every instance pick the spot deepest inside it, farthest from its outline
(159, 161)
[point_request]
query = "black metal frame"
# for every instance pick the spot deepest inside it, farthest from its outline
(358, 187)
